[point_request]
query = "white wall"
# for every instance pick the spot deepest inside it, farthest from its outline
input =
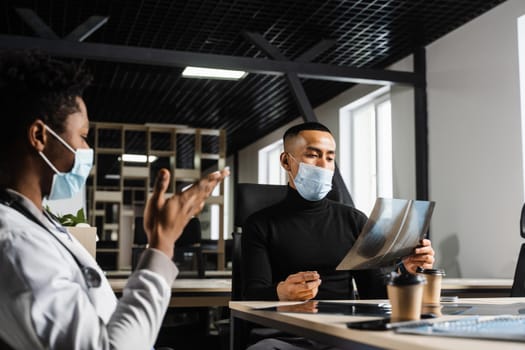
(328, 114)
(475, 164)
(248, 156)
(475, 144)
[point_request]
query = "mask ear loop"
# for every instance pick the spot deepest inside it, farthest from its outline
(49, 163)
(62, 142)
(295, 160)
(59, 139)
(288, 153)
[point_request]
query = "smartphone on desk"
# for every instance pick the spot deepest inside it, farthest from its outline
(381, 324)
(384, 324)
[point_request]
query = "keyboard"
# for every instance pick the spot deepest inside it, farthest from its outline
(504, 327)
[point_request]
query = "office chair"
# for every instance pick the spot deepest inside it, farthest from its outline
(189, 241)
(249, 198)
(518, 286)
(4, 345)
(140, 241)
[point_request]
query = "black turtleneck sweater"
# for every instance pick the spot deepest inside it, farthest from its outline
(299, 235)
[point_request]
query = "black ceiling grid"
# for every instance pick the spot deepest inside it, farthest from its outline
(367, 34)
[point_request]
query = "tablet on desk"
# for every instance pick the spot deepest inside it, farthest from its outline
(395, 227)
(346, 308)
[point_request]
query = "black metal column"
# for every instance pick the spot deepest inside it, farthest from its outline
(421, 124)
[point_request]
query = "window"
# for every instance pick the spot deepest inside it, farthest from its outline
(270, 170)
(215, 212)
(366, 149)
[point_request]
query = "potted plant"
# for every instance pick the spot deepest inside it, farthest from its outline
(78, 227)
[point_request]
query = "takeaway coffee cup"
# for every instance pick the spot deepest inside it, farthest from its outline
(432, 290)
(405, 293)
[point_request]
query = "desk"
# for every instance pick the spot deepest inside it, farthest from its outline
(476, 287)
(332, 330)
(188, 292)
(182, 274)
(207, 274)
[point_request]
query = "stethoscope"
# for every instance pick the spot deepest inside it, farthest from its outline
(91, 276)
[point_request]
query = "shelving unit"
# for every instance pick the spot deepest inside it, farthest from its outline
(117, 189)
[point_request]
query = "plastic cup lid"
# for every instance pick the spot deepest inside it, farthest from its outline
(405, 279)
(439, 272)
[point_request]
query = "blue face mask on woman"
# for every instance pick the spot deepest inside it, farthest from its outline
(66, 185)
(312, 182)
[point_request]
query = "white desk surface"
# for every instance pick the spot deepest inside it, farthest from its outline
(191, 292)
(476, 283)
(117, 280)
(217, 291)
(332, 329)
(182, 274)
(185, 285)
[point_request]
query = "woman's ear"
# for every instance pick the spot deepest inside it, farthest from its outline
(37, 135)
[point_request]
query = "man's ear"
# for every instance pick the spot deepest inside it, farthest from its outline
(37, 135)
(285, 162)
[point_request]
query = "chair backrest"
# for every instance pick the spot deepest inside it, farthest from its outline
(522, 221)
(254, 197)
(518, 285)
(250, 198)
(139, 235)
(140, 240)
(4, 345)
(190, 240)
(192, 233)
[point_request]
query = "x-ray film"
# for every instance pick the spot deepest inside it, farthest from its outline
(392, 231)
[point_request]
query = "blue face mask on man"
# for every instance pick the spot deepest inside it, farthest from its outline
(66, 185)
(312, 182)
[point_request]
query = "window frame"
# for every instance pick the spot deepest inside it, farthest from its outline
(346, 154)
(264, 159)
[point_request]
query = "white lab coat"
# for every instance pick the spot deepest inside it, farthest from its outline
(45, 302)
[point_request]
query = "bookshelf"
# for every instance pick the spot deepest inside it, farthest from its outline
(118, 188)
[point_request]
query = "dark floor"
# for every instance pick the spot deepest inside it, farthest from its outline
(194, 328)
(187, 341)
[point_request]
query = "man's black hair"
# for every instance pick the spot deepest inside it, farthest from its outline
(36, 86)
(296, 129)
